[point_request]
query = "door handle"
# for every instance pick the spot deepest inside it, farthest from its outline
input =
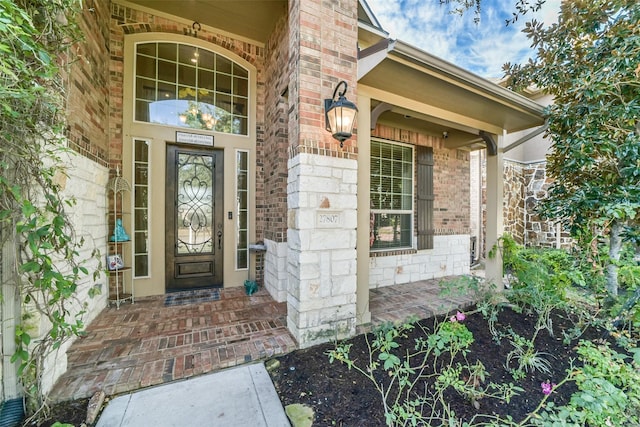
(219, 240)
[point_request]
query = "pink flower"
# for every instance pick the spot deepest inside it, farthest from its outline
(547, 387)
(458, 317)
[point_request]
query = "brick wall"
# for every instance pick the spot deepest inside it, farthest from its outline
(451, 180)
(273, 151)
(323, 40)
(87, 85)
(128, 20)
(322, 177)
(451, 220)
(272, 170)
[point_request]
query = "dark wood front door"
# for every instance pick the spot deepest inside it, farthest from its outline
(194, 218)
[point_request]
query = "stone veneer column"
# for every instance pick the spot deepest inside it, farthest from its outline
(322, 255)
(322, 177)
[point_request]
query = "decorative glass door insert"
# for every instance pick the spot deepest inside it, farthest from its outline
(194, 220)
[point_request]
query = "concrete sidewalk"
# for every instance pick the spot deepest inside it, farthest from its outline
(237, 397)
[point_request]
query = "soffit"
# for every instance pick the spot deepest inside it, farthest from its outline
(427, 88)
(250, 19)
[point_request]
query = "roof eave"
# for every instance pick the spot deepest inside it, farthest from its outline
(464, 77)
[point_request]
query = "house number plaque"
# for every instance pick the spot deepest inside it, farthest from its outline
(194, 138)
(329, 219)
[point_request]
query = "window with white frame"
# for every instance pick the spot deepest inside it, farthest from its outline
(391, 195)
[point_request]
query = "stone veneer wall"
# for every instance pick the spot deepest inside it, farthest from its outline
(449, 256)
(514, 193)
(526, 184)
(321, 248)
(86, 182)
(86, 166)
(276, 275)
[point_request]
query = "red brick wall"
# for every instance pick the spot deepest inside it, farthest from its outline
(88, 88)
(451, 180)
(128, 20)
(273, 151)
(323, 39)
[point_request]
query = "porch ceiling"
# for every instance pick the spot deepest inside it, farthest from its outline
(251, 19)
(432, 95)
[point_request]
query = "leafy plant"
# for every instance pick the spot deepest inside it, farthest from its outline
(527, 358)
(539, 279)
(608, 391)
(588, 61)
(35, 39)
(397, 372)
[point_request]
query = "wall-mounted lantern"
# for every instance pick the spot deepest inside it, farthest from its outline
(340, 114)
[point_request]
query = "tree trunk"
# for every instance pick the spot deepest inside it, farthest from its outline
(615, 244)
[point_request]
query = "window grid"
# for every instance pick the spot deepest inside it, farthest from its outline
(391, 195)
(141, 208)
(215, 88)
(242, 209)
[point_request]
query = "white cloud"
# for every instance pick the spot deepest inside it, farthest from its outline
(481, 48)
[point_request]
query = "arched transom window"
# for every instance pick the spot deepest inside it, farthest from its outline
(187, 86)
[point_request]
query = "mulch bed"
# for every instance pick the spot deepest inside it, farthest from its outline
(343, 397)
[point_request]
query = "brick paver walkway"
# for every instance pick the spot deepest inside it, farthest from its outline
(148, 343)
(421, 299)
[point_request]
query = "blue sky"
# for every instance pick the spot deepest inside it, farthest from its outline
(481, 48)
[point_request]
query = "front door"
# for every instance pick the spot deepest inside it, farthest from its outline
(194, 218)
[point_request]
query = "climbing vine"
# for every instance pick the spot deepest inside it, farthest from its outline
(36, 40)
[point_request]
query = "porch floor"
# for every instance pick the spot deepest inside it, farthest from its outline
(148, 343)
